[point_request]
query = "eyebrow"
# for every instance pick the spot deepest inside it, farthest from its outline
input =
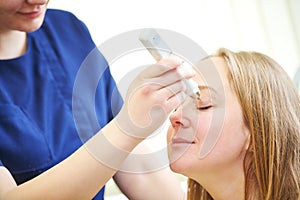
(205, 87)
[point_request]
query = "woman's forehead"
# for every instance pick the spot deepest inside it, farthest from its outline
(212, 72)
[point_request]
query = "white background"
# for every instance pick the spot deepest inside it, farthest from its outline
(269, 26)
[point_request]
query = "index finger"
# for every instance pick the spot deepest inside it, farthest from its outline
(162, 66)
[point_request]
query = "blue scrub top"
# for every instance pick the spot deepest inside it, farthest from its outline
(37, 128)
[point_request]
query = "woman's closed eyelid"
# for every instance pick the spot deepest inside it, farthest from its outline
(204, 107)
(204, 103)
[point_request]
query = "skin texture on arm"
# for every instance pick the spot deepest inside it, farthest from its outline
(7, 182)
(156, 184)
(161, 184)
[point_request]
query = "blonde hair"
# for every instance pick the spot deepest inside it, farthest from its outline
(271, 109)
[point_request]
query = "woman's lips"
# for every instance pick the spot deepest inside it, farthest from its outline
(181, 141)
(32, 14)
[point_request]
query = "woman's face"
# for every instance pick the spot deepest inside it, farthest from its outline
(22, 15)
(208, 135)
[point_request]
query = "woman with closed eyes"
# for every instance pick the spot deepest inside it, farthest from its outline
(241, 139)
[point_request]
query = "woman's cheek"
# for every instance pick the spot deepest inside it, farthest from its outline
(11, 5)
(203, 125)
(170, 134)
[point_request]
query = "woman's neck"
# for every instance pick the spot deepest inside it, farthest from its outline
(224, 184)
(12, 44)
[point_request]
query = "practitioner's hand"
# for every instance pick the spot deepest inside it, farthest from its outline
(155, 92)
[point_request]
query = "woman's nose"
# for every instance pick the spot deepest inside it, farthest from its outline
(179, 119)
(182, 115)
(175, 117)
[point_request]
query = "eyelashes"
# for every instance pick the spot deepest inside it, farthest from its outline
(204, 103)
(204, 107)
